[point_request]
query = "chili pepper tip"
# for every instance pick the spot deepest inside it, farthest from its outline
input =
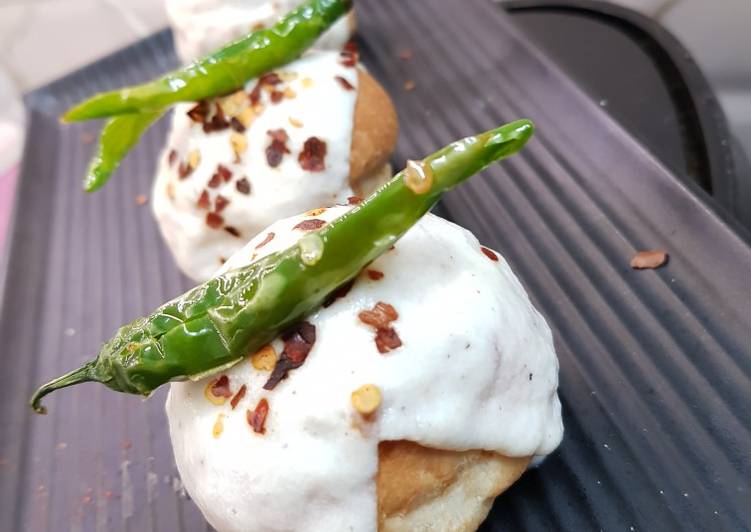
(82, 374)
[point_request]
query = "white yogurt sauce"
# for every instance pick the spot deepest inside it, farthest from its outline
(317, 106)
(477, 370)
(203, 26)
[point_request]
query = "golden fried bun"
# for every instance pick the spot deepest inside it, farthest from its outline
(429, 489)
(373, 136)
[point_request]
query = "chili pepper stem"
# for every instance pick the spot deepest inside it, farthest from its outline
(77, 376)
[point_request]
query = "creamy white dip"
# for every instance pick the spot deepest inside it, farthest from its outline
(203, 26)
(476, 370)
(315, 102)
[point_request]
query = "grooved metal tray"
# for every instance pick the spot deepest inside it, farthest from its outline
(655, 365)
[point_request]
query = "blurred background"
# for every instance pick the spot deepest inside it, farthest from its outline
(635, 57)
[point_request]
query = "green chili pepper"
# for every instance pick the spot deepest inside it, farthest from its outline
(216, 324)
(224, 71)
(118, 136)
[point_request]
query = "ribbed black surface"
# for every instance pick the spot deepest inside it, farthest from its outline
(655, 366)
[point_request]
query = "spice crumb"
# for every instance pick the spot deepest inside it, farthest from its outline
(238, 396)
(87, 138)
(264, 359)
(366, 399)
(375, 275)
(409, 85)
(649, 259)
(489, 253)
(218, 425)
(141, 199)
(257, 418)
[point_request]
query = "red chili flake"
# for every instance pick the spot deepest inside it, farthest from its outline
(203, 201)
(238, 396)
(310, 225)
(375, 275)
(257, 418)
(218, 122)
(346, 85)
(349, 54)
(141, 199)
(236, 125)
(243, 185)
(312, 156)
(381, 316)
(270, 78)
(220, 387)
(231, 230)
(220, 203)
(339, 293)
(278, 147)
(354, 200)
(276, 96)
(348, 59)
(184, 170)
(172, 157)
(199, 112)
(214, 221)
(224, 172)
(215, 180)
(387, 339)
(409, 85)
(649, 259)
(489, 253)
(405, 54)
(298, 341)
(266, 240)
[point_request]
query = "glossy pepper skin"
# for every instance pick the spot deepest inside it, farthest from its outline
(134, 109)
(223, 71)
(219, 322)
(118, 136)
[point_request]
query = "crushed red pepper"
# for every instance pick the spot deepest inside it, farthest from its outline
(224, 172)
(649, 259)
(310, 225)
(236, 125)
(243, 185)
(354, 200)
(220, 203)
(270, 78)
(349, 54)
(489, 253)
(266, 240)
(184, 170)
(214, 221)
(375, 275)
(238, 396)
(381, 317)
(218, 121)
(215, 180)
(172, 157)
(313, 155)
(278, 147)
(231, 230)
(276, 96)
(199, 112)
(387, 339)
(203, 201)
(298, 341)
(346, 85)
(220, 387)
(257, 418)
